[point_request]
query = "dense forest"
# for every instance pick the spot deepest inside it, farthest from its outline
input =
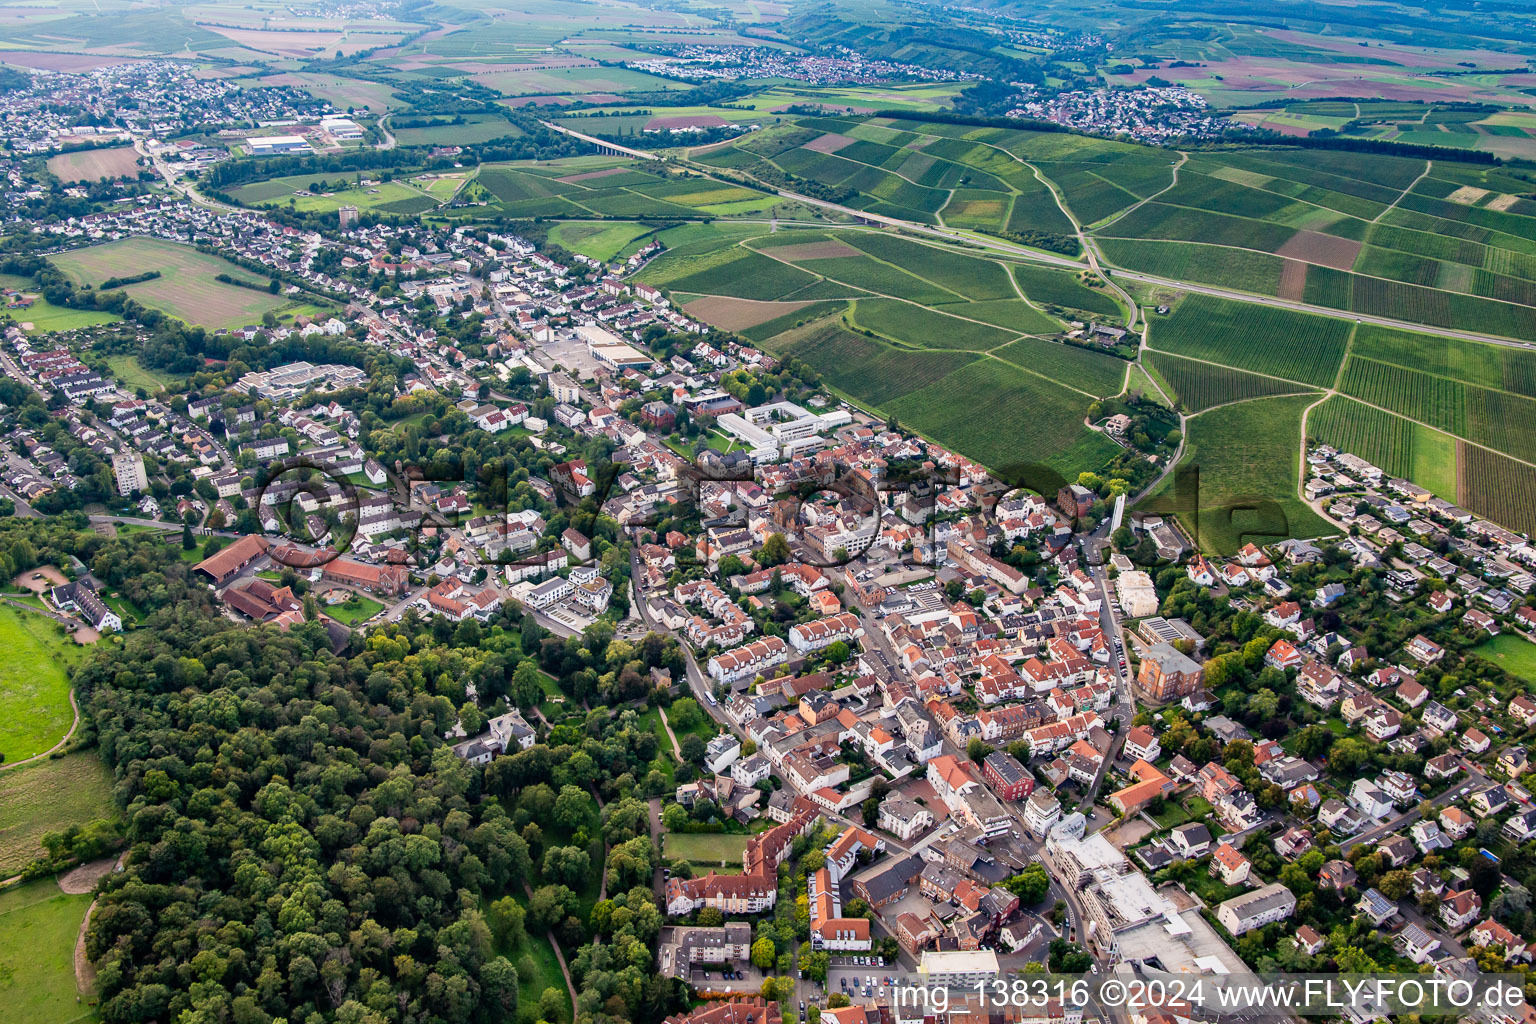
(303, 844)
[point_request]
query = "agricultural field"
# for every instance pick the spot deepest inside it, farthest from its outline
(563, 81)
(49, 796)
(586, 187)
(1491, 366)
(1240, 269)
(34, 682)
(1247, 456)
(1062, 288)
(1006, 417)
(601, 240)
(38, 927)
(1091, 372)
(1397, 445)
(1296, 346)
(1498, 419)
(919, 327)
(186, 287)
(1496, 486)
(295, 192)
(471, 130)
(1440, 243)
(359, 94)
(864, 369)
(1199, 386)
(95, 164)
(915, 170)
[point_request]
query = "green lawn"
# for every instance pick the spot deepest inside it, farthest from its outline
(1514, 654)
(355, 609)
(38, 926)
(705, 849)
(601, 241)
(49, 796)
(34, 684)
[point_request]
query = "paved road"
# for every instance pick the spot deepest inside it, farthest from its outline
(1474, 781)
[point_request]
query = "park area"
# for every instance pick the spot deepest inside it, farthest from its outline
(309, 193)
(34, 310)
(187, 287)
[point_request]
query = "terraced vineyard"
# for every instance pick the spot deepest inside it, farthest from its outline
(1495, 418)
(1497, 487)
(1278, 342)
(1399, 446)
(1199, 386)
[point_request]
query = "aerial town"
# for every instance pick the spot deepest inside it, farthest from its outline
(961, 728)
(773, 513)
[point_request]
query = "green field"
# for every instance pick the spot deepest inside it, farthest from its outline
(1247, 455)
(476, 128)
(1398, 446)
(1296, 346)
(1514, 654)
(1492, 366)
(49, 796)
(744, 274)
(44, 315)
(925, 328)
(1498, 419)
(1497, 487)
(136, 375)
(869, 371)
(705, 849)
(583, 187)
(1093, 372)
(1007, 417)
(1062, 288)
(186, 287)
(1257, 272)
(1199, 386)
(384, 196)
(38, 927)
(34, 684)
(601, 241)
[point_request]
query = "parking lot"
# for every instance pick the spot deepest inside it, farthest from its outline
(861, 980)
(711, 977)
